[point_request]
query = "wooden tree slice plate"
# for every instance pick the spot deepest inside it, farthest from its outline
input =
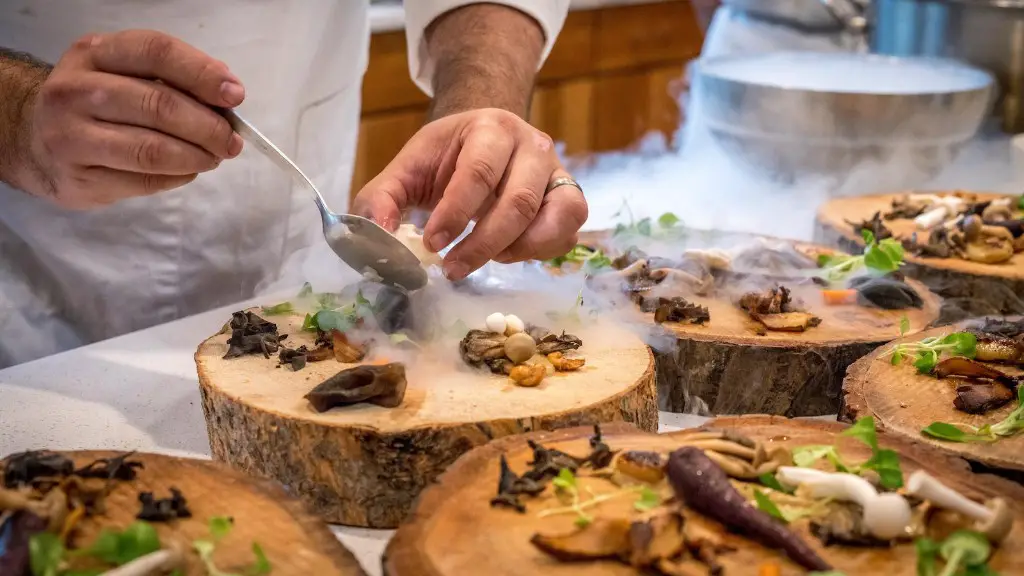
(970, 288)
(364, 465)
(293, 539)
(903, 402)
(454, 531)
(723, 367)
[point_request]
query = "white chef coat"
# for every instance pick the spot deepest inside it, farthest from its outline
(70, 278)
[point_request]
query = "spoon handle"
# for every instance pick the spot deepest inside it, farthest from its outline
(249, 133)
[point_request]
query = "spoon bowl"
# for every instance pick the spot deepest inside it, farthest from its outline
(358, 241)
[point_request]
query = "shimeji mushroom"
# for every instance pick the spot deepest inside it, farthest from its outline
(993, 519)
(886, 516)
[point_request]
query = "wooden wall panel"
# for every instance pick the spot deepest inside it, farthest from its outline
(612, 77)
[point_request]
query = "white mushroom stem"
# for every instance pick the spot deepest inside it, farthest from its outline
(886, 516)
(159, 562)
(932, 217)
(923, 485)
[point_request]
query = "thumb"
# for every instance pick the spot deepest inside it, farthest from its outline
(382, 200)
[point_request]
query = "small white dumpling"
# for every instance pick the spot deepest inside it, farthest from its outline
(408, 235)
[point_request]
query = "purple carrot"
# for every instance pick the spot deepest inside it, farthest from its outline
(15, 535)
(703, 486)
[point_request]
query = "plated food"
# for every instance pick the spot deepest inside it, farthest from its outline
(956, 387)
(778, 320)
(741, 496)
(358, 400)
(968, 247)
(128, 514)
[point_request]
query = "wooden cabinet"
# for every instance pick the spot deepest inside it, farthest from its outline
(613, 75)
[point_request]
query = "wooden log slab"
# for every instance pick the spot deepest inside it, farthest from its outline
(293, 539)
(968, 288)
(724, 367)
(454, 531)
(364, 465)
(903, 402)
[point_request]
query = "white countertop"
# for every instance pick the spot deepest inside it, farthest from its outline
(390, 16)
(141, 392)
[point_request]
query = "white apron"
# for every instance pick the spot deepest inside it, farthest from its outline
(72, 278)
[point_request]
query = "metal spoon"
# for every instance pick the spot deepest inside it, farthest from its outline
(358, 241)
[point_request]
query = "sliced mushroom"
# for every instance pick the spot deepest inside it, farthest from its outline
(381, 385)
(602, 538)
(344, 350)
(657, 538)
(788, 321)
(564, 364)
(642, 465)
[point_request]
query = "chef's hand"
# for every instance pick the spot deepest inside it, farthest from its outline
(128, 114)
(485, 165)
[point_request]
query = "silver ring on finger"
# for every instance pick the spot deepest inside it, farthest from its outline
(563, 181)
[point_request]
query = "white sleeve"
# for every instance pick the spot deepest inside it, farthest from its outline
(550, 14)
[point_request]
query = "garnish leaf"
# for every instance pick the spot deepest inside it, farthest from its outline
(863, 430)
(668, 220)
(926, 352)
(262, 565)
(648, 500)
(565, 479)
(1020, 202)
(772, 482)
(904, 325)
(279, 309)
(307, 290)
(806, 456)
(765, 504)
(927, 553)
(113, 547)
(220, 526)
(46, 552)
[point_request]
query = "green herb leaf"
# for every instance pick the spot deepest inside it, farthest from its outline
(648, 500)
(766, 505)
(772, 482)
(45, 552)
(668, 220)
(887, 464)
(643, 227)
(278, 309)
(970, 547)
(806, 456)
(582, 521)
(565, 479)
(326, 301)
(948, 432)
(220, 526)
(619, 229)
(927, 553)
(309, 323)
(262, 565)
(963, 344)
(863, 430)
(867, 235)
(926, 361)
(904, 325)
(306, 291)
(1020, 202)
(113, 547)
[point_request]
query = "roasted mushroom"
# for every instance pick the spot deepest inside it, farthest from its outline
(527, 375)
(380, 385)
(657, 538)
(642, 465)
(565, 364)
(558, 343)
(602, 538)
(520, 347)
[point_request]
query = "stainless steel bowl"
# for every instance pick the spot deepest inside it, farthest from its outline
(794, 114)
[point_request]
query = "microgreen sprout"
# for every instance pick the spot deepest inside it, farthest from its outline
(926, 353)
(1009, 426)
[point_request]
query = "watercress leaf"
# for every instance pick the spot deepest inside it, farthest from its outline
(45, 553)
(979, 570)
(643, 226)
(326, 301)
(897, 357)
(926, 361)
(887, 464)
(868, 237)
(327, 320)
(565, 479)
(648, 500)
(824, 260)
(973, 547)
(927, 553)
(904, 325)
(309, 323)
(668, 220)
(278, 309)
(137, 540)
(105, 547)
(877, 259)
(261, 566)
(306, 291)
(863, 430)
(765, 504)
(833, 457)
(772, 482)
(220, 526)
(806, 456)
(945, 431)
(892, 249)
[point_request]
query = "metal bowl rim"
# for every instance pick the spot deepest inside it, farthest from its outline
(703, 64)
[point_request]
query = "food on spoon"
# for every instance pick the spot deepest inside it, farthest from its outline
(380, 385)
(412, 239)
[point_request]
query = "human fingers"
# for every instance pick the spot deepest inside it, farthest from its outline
(481, 165)
(382, 200)
(155, 55)
(96, 186)
(555, 230)
(519, 200)
(132, 149)
(148, 104)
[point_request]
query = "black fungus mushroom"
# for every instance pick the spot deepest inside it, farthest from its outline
(548, 462)
(163, 509)
(380, 385)
(600, 453)
(875, 225)
(295, 358)
(511, 486)
(23, 468)
(116, 468)
(886, 293)
(251, 334)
